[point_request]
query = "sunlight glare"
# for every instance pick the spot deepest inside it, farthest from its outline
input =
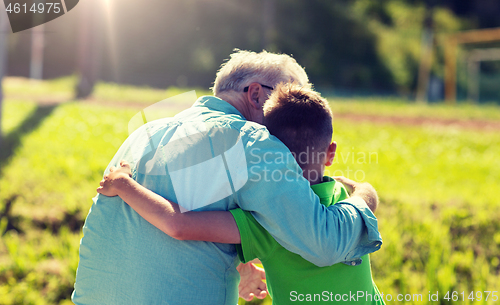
(112, 37)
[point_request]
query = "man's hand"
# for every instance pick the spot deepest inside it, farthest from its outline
(251, 283)
(109, 185)
(363, 190)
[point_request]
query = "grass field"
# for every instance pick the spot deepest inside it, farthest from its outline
(437, 184)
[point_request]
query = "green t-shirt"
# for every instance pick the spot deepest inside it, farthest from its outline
(292, 279)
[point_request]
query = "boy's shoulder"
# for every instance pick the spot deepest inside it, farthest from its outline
(330, 191)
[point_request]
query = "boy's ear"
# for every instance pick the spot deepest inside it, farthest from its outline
(330, 153)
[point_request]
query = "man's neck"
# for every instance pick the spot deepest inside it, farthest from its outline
(237, 101)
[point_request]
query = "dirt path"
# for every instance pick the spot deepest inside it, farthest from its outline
(422, 121)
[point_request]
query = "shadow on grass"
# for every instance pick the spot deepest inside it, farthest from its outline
(12, 140)
(8, 145)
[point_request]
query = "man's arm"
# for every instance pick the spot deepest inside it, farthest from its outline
(213, 226)
(281, 200)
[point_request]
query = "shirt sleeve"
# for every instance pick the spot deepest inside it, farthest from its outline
(281, 200)
(371, 240)
(256, 242)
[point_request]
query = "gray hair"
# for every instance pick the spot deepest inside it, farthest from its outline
(245, 67)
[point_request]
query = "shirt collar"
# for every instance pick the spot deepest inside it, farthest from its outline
(217, 104)
(325, 190)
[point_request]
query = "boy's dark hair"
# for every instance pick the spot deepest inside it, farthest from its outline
(300, 118)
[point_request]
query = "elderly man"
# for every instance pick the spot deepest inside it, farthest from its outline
(214, 156)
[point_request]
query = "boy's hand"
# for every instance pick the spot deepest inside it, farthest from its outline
(348, 183)
(251, 284)
(109, 185)
(361, 189)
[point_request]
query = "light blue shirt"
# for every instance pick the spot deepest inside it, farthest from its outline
(209, 157)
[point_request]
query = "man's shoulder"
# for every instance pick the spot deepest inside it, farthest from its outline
(255, 130)
(252, 134)
(153, 127)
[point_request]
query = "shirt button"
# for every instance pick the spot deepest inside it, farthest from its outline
(353, 263)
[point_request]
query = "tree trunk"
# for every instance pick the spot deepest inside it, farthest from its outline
(88, 48)
(427, 47)
(37, 46)
(4, 30)
(269, 25)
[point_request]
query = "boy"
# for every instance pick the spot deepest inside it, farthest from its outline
(302, 120)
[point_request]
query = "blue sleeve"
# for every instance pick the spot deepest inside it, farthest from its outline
(282, 201)
(370, 239)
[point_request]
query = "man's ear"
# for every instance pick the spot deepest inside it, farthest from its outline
(330, 153)
(254, 96)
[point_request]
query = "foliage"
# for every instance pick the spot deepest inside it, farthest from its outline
(362, 44)
(336, 47)
(398, 26)
(437, 184)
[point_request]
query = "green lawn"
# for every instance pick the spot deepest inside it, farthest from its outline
(439, 204)
(438, 188)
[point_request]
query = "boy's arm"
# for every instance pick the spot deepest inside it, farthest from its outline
(212, 226)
